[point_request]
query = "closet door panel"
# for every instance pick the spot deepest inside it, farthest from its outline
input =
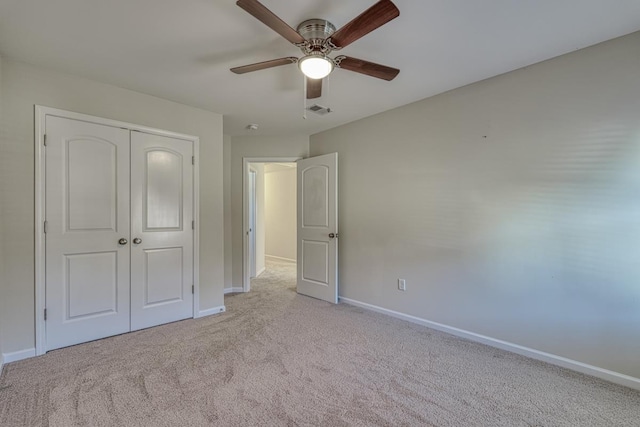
(87, 213)
(162, 237)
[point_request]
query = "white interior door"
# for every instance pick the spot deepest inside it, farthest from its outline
(161, 230)
(87, 213)
(318, 227)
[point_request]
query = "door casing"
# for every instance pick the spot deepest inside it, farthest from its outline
(252, 222)
(39, 141)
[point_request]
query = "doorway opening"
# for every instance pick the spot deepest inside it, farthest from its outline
(270, 217)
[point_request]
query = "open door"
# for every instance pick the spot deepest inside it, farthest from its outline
(318, 227)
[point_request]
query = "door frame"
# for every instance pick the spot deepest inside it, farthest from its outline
(246, 272)
(253, 174)
(39, 142)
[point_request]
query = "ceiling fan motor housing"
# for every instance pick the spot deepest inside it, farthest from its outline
(315, 32)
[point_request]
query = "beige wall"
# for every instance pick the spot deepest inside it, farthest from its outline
(280, 211)
(510, 206)
(227, 211)
(254, 146)
(3, 182)
(22, 87)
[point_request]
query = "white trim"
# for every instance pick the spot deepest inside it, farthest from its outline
(2, 365)
(39, 276)
(196, 228)
(564, 362)
(108, 122)
(40, 127)
(262, 270)
(252, 224)
(18, 355)
(246, 273)
(279, 258)
(211, 311)
(233, 290)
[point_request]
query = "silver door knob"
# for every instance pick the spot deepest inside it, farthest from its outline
(137, 241)
(333, 235)
(123, 241)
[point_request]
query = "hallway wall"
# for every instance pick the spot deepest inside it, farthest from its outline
(280, 211)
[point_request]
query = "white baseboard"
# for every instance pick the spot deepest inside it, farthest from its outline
(18, 355)
(210, 311)
(262, 270)
(279, 258)
(233, 290)
(564, 362)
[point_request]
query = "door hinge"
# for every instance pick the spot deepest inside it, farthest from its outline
(193, 289)
(45, 139)
(193, 225)
(45, 314)
(46, 227)
(193, 160)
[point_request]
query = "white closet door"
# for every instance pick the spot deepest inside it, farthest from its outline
(87, 213)
(161, 230)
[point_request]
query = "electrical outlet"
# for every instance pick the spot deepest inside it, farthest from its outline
(402, 285)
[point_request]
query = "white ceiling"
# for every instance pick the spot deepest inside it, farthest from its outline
(182, 49)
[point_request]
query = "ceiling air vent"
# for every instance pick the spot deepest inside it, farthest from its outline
(319, 109)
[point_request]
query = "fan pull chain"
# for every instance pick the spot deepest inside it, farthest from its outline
(328, 93)
(304, 97)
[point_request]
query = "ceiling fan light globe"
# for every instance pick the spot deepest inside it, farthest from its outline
(315, 67)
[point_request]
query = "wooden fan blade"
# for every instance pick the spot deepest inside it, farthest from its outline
(372, 18)
(314, 88)
(365, 67)
(271, 20)
(266, 64)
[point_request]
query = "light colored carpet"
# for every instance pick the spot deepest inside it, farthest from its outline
(278, 358)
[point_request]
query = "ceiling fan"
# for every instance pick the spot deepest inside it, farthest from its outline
(317, 38)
